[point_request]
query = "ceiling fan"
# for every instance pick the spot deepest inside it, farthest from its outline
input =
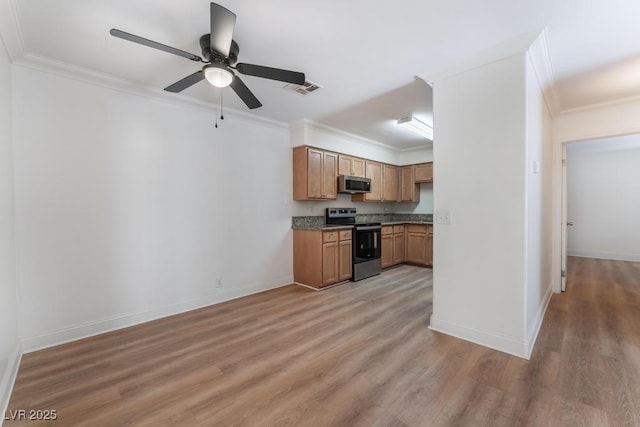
(220, 53)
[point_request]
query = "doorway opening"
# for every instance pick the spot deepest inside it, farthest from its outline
(600, 201)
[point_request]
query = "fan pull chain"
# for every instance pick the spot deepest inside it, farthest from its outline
(221, 104)
(216, 115)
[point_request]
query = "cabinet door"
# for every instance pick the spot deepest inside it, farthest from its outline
(314, 173)
(345, 165)
(398, 248)
(424, 172)
(387, 251)
(429, 245)
(390, 183)
(409, 191)
(373, 171)
(329, 175)
(358, 167)
(330, 263)
(346, 262)
(417, 248)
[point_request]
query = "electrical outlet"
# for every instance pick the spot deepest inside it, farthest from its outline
(218, 282)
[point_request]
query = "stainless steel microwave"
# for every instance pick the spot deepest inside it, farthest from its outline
(353, 184)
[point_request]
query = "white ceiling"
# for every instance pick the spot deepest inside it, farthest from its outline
(364, 53)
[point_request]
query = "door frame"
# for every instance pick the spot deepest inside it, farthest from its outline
(559, 216)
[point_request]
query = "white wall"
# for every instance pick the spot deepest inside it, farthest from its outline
(603, 184)
(418, 155)
(130, 207)
(306, 132)
(479, 150)
(9, 346)
(538, 169)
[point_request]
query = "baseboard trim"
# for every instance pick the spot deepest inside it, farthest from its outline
(8, 379)
(537, 323)
(89, 329)
(605, 255)
(496, 342)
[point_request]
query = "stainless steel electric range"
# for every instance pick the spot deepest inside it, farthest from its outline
(366, 245)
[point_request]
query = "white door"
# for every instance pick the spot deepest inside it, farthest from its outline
(563, 250)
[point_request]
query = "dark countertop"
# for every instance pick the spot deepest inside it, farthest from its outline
(324, 227)
(407, 222)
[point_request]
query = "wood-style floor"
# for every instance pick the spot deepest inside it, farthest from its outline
(359, 354)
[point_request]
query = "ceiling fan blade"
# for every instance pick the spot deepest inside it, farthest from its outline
(271, 73)
(223, 22)
(188, 81)
(150, 43)
(244, 93)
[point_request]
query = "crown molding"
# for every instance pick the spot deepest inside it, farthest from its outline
(543, 68)
(509, 48)
(73, 72)
(418, 148)
(11, 30)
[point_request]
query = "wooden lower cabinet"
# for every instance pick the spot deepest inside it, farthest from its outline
(430, 245)
(386, 249)
(420, 244)
(393, 245)
(322, 258)
(398, 244)
(330, 263)
(345, 265)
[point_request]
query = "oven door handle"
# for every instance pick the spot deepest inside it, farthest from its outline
(368, 228)
(375, 240)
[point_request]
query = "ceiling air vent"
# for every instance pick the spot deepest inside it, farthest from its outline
(304, 89)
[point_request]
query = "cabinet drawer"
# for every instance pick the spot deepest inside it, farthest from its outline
(331, 236)
(387, 229)
(345, 235)
(416, 228)
(398, 229)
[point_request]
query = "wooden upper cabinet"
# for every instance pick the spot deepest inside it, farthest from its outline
(373, 171)
(390, 183)
(314, 174)
(423, 172)
(409, 190)
(329, 175)
(384, 183)
(358, 167)
(348, 165)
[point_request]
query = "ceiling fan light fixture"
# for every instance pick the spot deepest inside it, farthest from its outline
(218, 76)
(417, 126)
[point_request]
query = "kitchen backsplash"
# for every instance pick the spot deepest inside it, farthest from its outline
(318, 221)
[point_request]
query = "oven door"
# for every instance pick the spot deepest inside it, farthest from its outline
(366, 243)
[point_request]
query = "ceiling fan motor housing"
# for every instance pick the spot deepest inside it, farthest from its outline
(211, 55)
